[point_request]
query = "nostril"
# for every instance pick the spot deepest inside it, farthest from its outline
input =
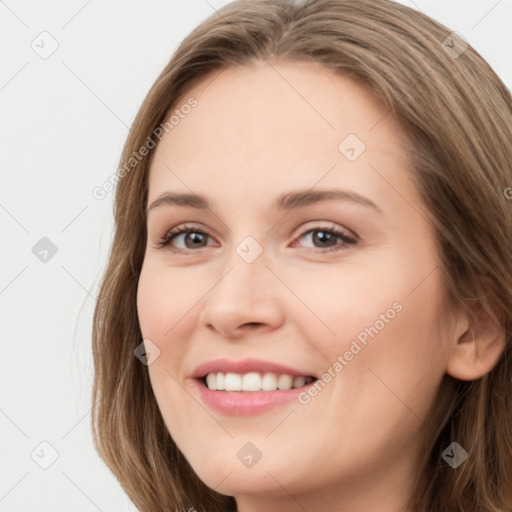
(252, 324)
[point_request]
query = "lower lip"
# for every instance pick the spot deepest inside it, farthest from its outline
(240, 403)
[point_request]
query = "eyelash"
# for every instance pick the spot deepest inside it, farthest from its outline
(165, 241)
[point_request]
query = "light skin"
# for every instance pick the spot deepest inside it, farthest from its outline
(259, 132)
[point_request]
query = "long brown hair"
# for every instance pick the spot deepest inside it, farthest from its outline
(457, 116)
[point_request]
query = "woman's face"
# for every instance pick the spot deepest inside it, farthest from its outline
(281, 280)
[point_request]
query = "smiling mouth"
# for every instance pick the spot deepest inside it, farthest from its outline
(254, 381)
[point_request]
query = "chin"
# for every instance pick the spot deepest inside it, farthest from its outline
(243, 481)
(221, 469)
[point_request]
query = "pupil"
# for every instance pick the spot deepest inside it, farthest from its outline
(195, 236)
(324, 237)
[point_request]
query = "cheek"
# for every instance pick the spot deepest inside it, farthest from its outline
(164, 302)
(165, 310)
(169, 304)
(387, 338)
(406, 359)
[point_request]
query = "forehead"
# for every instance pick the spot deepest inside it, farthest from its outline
(273, 125)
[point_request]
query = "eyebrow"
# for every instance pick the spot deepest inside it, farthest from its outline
(286, 201)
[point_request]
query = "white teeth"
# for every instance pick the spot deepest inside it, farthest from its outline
(233, 382)
(269, 382)
(211, 381)
(254, 381)
(285, 382)
(251, 382)
(220, 385)
(298, 382)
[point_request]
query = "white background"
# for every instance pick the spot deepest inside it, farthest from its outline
(63, 122)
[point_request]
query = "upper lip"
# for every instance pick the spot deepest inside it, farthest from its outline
(246, 366)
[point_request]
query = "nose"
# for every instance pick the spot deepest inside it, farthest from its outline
(245, 297)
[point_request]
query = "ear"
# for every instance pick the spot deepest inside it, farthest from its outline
(481, 340)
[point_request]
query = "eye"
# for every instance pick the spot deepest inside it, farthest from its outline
(326, 239)
(195, 238)
(191, 242)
